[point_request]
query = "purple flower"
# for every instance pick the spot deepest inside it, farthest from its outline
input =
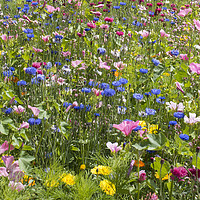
(178, 172)
(113, 147)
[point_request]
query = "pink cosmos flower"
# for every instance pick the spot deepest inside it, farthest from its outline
(5, 37)
(195, 67)
(24, 125)
(5, 146)
(163, 34)
(35, 110)
(197, 24)
(51, 9)
(107, 19)
(19, 109)
(183, 13)
(103, 64)
(183, 57)
(67, 53)
(119, 65)
(76, 63)
(104, 26)
(178, 87)
(126, 126)
(37, 50)
(144, 33)
(192, 118)
(91, 25)
(113, 147)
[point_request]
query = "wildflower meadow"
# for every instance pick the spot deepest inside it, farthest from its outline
(99, 100)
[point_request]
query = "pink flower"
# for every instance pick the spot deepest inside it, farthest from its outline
(183, 13)
(5, 37)
(192, 118)
(195, 67)
(51, 9)
(37, 50)
(16, 186)
(183, 57)
(119, 65)
(126, 126)
(103, 64)
(24, 125)
(178, 87)
(35, 110)
(67, 53)
(104, 26)
(120, 33)
(113, 147)
(5, 146)
(144, 33)
(19, 109)
(25, 17)
(197, 24)
(83, 66)
(37, 65)
(107, 19)
(91, 25)
(98, 14)
(12, 100)
(96, 92)
(76, 63)
(163, 34)
(178, 172)
(46, 38)
(142, 175)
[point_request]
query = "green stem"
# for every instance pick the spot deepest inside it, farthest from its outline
(170, 195)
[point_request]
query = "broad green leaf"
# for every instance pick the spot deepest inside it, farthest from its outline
(24, 161)
(3, 130)
(157, 141)
(7, 120)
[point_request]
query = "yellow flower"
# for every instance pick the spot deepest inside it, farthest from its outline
(104, 170)
(143, 125)
(166, 74)
(82, 167)
(107, 187)
(68, 179)
(153, 128)
(51, 183)
(164, 178)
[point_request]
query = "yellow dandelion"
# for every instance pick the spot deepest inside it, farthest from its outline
(164, 178)
(166, 74)
(82, 167)
(68, 179)
(107, 187)
(104, 170)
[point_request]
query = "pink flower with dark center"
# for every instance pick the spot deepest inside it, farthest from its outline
(113, 147)
(126, 126)
(142, 175)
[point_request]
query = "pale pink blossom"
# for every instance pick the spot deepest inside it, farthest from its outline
(67, 53)
(144, 33)
(37, 50)
(51, 9)
(16, 186)
(18, 109)
(113, 147)
(91, 25)
(195, 68)
(173, 106)
(96, 13)
(178, 87)
(5, 37)
(5, 146)
(83, 66)
(126, 126)
(76, 63)
(24, 125)
(197, 24)
(103, 64)
(163, 34)
(35, 110)
(46, 38)
(192, 118)
(104, 26)
(119, 65)
(184, 12)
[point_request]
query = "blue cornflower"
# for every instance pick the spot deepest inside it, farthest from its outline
(122, 3)
(21, 83)
(155, 62)
(31, 121)
(81, 106)
(92, 83)
(7, 73)
(104, 86)
(101, 51)
(12, 69)
(28, 31)
(8, 111)
(37, 121)
(87, 29)
(86, 90)
(88, 107)
(147, 94)
(31, 70)
(108, 92)
(160, 100)
(173, 123)
(120, 89)
(116, 83)
(138, 96)
(116, 7)
(48, 65)
(174, 52)
(123, 81)
(144, 71)
(150, 111)
(65, 104)
(137, 128)
(96, 19)
(184, 137)
(179, 115)
(96, 114)
(156, 91)
(30, 35)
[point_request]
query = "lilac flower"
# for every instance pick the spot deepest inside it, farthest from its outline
(113, 147)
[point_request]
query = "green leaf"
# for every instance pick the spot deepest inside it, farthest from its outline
(180, 75)
(73, 148)
(157, 141)
(7, 120)
(158, 70)
(196, 160)
(24, 161)
(27, 148)
(3, 130)
(157, 165)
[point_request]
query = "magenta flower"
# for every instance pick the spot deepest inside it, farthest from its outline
(195, 67)
(5, 146)
(107, 19)
(24, 125)
(179, 172)
(183, 57)
(46, 38)
(183, 13)
(91, 25)
(35, 110)
(126, 126)
(163, 34)
(37, 50)
(194, 172)
(113, 147)
(142, 175)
